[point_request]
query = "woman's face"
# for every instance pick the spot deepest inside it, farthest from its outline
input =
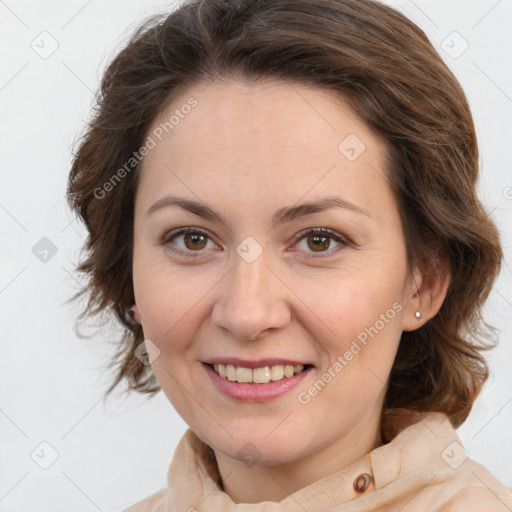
(229, 279)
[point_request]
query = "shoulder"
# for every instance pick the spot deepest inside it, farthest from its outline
(425, 467)
(153, 503)
(472, 487)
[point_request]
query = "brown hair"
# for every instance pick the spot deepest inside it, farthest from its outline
(385, 66)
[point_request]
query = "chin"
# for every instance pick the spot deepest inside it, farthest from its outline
(258, 454)
(254, 448)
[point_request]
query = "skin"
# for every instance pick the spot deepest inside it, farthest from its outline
(247, 151)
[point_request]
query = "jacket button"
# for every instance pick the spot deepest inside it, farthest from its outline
(362, 482)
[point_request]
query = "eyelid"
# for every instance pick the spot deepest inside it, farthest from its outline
(323, 231)
(168, 236)
(329, 233)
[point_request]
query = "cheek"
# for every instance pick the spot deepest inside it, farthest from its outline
(169, 301)
(357, 326)
(346, 307)
(357, 349)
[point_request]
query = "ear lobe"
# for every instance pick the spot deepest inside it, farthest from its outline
(427, 297)
(135, 312)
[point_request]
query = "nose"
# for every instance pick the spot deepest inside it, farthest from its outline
(252, 300)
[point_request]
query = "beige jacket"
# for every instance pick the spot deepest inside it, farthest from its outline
(424, 468)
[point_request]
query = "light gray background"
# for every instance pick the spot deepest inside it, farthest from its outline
(112, 455)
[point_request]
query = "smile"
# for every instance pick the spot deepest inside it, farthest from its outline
(262, 375)
(258, 384)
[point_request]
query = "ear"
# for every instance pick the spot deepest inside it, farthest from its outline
(426, 293)
(136, 314)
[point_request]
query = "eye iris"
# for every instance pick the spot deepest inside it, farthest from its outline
(195, 238)
(323, 245)
(195, 241)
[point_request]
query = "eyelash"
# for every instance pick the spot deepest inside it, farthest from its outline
(298, 237)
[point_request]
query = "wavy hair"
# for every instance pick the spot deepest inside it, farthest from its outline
(385, 66)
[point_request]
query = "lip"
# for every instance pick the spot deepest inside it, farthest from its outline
(245, 392)
(258, 363)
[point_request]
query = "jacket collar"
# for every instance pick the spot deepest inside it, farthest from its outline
(417, 443)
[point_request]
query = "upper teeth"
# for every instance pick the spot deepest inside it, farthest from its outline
(257, 375)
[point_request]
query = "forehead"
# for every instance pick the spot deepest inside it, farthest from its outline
(257, 140)
(291, 113)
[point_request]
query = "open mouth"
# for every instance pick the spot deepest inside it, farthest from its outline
(262, 375)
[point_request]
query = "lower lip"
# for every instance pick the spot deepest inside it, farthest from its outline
(245, 392)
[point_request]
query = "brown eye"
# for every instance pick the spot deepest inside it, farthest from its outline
(319, 243)
(187, 242)
(319, 240)
(195, 241)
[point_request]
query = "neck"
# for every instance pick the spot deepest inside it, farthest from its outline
(254, 484)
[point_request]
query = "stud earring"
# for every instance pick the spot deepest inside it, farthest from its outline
(418, 314)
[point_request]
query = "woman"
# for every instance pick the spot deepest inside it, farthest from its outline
(282, 213)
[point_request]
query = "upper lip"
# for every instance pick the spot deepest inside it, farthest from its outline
(258, 363)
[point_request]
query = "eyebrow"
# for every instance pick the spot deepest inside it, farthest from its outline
(281, 216)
